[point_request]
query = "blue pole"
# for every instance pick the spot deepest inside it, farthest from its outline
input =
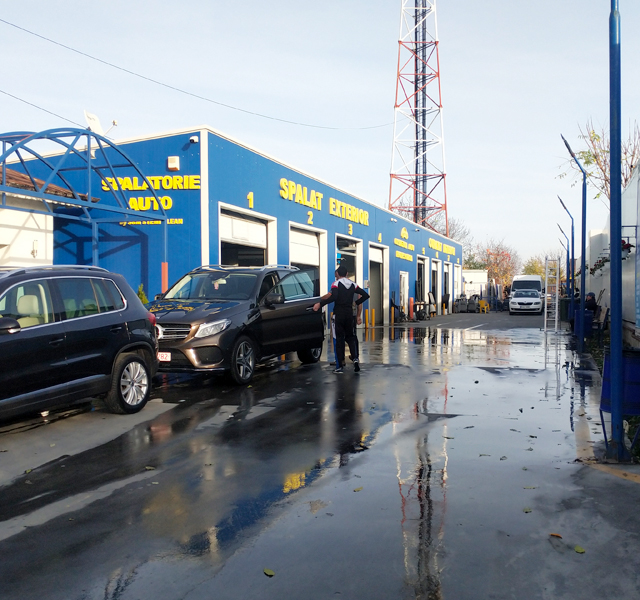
(617, 448)
(579, 322)
(573, 260)
(567, 249)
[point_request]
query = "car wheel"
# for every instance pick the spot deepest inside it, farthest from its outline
(243, 360)
(130, 385)
(310, 356)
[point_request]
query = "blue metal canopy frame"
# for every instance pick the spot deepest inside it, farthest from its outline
(68, 179)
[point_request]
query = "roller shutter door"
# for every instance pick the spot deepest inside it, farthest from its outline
(243, 231)
(304, 247)
(375, 254)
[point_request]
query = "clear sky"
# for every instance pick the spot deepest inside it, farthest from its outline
(515, 75)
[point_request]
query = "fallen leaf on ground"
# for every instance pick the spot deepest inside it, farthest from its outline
(533, 436)
(358, 489)
(579, 549)
(148, 468)
(468, 427)
(28, 470)
(269, 572)
(526, 510)
(530, 487)
(514, 430)
(525, 469)
(555, 535)
(503, 458)
(529, 450)
(155, 483)
(485, 455)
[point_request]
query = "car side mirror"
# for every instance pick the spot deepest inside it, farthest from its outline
(273, 298)
(9, 325)
(158, 297)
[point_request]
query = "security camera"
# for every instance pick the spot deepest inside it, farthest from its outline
(194, 139)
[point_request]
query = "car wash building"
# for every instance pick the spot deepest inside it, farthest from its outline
(198, 197)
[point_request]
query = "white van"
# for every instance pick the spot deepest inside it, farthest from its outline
(527, 282)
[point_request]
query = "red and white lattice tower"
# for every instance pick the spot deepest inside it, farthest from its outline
(418, 188)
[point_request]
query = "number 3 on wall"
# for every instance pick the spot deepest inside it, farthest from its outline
(350, 229)
(310, 217)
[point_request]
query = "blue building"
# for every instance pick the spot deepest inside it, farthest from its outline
(225, 203)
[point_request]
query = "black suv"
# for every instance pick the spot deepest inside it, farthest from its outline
(68, 333)
(217, 319)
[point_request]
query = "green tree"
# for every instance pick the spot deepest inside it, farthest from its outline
(142, 295)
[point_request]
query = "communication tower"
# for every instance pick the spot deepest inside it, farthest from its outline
(418, 188)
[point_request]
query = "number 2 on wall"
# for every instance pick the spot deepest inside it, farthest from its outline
(310, 217)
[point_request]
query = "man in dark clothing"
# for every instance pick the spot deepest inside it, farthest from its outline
(342, 292)
(590, 302)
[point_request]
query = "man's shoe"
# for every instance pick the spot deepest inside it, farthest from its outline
(339, 370)
(356, 365)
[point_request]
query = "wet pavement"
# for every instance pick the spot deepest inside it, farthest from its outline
(440, 471)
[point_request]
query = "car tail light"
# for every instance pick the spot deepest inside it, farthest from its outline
(152, 319)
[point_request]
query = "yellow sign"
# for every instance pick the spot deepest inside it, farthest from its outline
(290, 190)
(446, 248)
(337, 208)
(404, 234)
(404, 256)
(166, 182)
(403, 244)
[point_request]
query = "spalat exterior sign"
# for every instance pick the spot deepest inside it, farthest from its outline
(295, 192)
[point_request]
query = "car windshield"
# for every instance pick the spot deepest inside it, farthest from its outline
(526, 284)
(526, 294)
(213, 285)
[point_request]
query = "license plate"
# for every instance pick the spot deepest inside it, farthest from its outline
(164, 356)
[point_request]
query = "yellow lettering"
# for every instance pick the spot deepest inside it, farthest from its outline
(195, 182)
(155, 182)
(404, 256)
(133, 203)
(292, 189)
(299, 194)
(125, 183)
(309, 217)
(304, 196)
(144, 203)
(167, 182)
(284, 188)
(435, 244)
(319, 199)
(312, 200)
(449, 249)
(350, 229)
(167, 202)
(177, 182)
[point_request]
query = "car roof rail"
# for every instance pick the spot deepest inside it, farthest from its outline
(256, 268)
(6, 271)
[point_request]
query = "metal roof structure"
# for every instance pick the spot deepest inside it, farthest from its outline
(71, 182)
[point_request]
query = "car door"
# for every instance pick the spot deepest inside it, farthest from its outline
(293, 324)
(32, 372)
(95, 330)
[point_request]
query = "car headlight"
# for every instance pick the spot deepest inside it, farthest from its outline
(207, 329)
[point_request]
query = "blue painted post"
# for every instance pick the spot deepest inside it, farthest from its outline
(567, 271)
(579, 322)
(617, 447)
(571, 273)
